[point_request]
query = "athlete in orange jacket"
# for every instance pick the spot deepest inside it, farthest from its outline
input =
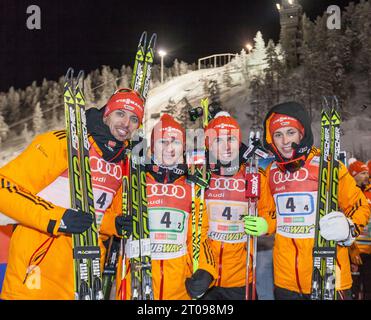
(34, 190)
(360, 250)
(292, 181)
(226, 207)
(170, 223)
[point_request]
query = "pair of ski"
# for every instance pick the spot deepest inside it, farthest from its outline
(324, 252)
(196, 229)
(134, 190)
(86, 252)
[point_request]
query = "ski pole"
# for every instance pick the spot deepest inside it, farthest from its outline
(252, 195)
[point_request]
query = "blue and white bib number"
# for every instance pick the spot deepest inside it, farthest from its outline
(296, 214)
(168, 231)
(295, 204)
(225, 220)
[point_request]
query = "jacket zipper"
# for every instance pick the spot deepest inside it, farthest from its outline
(162, 280)
(220, 264)
(296, 266)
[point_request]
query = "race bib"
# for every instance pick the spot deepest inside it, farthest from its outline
(168, 232)
(296, 214)
(102, 200)
(225, 220)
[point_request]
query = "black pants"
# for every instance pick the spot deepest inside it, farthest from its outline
(362, 282)
(220, 293)
(284, 294)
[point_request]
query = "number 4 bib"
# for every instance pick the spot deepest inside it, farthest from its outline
(168, 232)
(296, 214)
(225, 220)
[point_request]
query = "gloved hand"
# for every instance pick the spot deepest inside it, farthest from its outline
(335, 226)
(198, 284)
(197, 178)
(124, 225)
(75, 221)
(255, 226)
(355, 255)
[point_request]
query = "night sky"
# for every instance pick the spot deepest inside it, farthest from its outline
(87, 34)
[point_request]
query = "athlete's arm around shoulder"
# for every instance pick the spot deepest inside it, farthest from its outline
(22, 178)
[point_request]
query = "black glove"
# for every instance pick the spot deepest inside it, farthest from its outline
(198, 284)
(75, 221)
(124, 225)
(197, 178)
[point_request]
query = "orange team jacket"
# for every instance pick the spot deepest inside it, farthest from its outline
(364, 240)
(295, 200)
(170, 225)
(34, 191)
(226, 204)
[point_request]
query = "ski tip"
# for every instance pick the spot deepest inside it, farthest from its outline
(204, 102)
(335, 103)
(152, 41)
(325, 103)
(143, 39)
(69, 73)
(80, 76)
(330, 102)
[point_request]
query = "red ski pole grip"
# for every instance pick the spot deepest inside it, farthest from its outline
(252, 185)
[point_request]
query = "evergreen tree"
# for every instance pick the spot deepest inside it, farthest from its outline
(176, 68)
(43, 92)
(309, 77)
(4, 129)
(3, 102)
(156, 75)
(320, 60)
(125, 77)
(54, 102)
(171, 107)
(257, 101)
(183, 68)
(242, 63)
(308, 30)
(13, 106)
(336, 75)
(38, 120)
(106, 87)
(348, 47)
(257, 55)
(364, 36)
(88, 92)
(270, 73)
(183, 115)
(26, 134)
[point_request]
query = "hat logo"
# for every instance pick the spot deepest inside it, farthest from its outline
(128, 102)
(225, 125)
